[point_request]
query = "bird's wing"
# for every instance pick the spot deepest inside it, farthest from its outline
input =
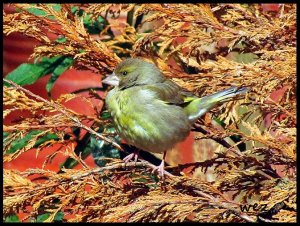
(171, 93)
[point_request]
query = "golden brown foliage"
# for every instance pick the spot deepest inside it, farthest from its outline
(204, 48)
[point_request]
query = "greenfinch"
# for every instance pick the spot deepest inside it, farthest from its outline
(152, 112)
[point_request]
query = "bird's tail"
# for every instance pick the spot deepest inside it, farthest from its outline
(227, 95)
(200, 106)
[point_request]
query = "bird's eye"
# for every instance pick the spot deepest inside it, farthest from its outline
(124, 73)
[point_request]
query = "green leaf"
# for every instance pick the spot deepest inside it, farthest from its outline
(42, 217)
(220, 122)
(141, 180)
(70, 163)
(48, 136)
(74, 9)
(77, 11)
(27, 74)
(60, 68)
(105, 115)
(56, 7)
(59, 216)
(12, 218)
(244, 58)
(94, 26)
(61, 39)
(5, 134)
(38, 12)
(20, 143)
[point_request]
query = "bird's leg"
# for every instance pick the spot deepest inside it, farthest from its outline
(134, 155)
(160, 168)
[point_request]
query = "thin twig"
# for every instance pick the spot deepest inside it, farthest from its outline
(218, 140)
(24, 127)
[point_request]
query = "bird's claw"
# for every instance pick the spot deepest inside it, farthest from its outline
(160, 169)
(131, 156)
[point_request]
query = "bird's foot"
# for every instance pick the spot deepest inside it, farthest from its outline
(131, 156)
(160, 169)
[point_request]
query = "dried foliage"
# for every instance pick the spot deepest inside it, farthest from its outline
(79, 44)
(204, 48)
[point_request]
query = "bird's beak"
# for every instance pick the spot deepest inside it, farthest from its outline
(112, 80)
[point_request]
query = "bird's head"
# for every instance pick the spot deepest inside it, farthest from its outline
(134, 72)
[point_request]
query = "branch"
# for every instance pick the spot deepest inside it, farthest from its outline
(24, 127)
(273, 174)
(63, 110)
(224, 143)
(85, 174)
(225, 205)
(228, 204)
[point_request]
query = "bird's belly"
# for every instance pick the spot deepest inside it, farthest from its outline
(143, 135)
(151, 133)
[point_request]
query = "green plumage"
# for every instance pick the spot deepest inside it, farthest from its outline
(152, 112)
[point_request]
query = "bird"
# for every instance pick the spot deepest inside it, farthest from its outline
(152, 112)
